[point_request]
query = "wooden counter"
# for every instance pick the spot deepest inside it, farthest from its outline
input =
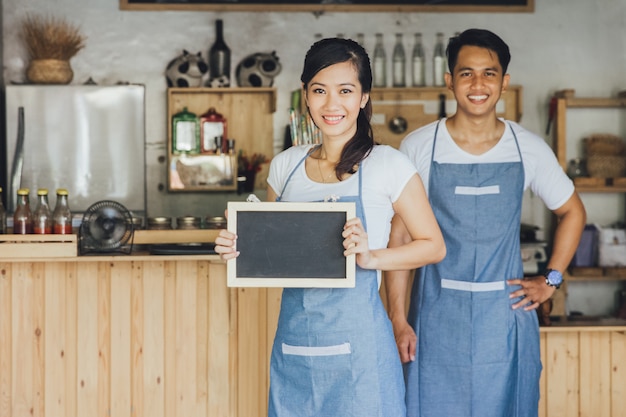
(162, 336)
(126, 335)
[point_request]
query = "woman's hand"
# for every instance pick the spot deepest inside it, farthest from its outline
(355, 243)
(225, 245)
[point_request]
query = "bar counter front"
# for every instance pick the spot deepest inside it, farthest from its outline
(139, 335)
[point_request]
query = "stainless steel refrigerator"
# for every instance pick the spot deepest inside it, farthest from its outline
(86, 138)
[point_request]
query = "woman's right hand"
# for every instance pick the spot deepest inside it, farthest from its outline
(225, 245)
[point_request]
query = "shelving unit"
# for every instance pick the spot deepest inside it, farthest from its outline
(566, 100)
(248, 112)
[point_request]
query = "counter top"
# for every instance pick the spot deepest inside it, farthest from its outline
(65, 247)
(585, 324)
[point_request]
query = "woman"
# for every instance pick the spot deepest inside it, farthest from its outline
(334, 353)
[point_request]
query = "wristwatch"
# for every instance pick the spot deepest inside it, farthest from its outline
(554, 278)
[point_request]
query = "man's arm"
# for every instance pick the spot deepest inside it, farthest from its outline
(396, 286)
(571, 218)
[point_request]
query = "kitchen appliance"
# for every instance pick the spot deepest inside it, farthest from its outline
(107, 227)
(88, 139)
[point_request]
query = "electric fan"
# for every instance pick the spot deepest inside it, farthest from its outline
(107, 227)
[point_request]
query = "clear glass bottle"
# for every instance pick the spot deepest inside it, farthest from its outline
(380, 62)
(62, 215)
(3, 216)
(418, 62)
(399, 63)
(219, 58)
(23, 216)
(442, 107)
(360, 39)
(42, 216)
(439, 62)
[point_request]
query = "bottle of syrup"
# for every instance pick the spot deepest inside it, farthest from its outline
(62, 215)
(23, 216)
(42, 218)
(3, 216)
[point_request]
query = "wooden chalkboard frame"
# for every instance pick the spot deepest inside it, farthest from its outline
(316, 6)
(290, 244)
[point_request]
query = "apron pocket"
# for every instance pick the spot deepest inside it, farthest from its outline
(316, 380)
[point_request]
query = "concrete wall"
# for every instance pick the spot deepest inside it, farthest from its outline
(579, 44)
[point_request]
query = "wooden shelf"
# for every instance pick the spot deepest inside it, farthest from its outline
(565, 100)
(420, 106)
(249, 115)
(585, 274)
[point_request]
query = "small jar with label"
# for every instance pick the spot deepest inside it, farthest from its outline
(185, 132)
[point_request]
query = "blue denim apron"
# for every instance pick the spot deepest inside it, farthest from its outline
(334, 354)
(477, 357)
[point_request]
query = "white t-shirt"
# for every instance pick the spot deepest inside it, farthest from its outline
(385, 174)
(542, 172)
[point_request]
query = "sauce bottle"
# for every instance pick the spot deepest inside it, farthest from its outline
(42, 216)
(23, 217)
(3, 216)
(62, 215)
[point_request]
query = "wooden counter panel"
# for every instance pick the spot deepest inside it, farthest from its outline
(163, 336)
(155, 338)
(584, 373)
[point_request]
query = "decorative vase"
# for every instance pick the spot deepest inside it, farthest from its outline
(49, 71)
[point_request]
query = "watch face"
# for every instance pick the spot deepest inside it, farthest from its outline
(554, 277)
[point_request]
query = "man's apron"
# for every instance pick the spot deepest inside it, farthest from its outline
(477, 357)
(334, 354)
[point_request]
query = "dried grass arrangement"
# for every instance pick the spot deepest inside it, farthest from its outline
(50, 42)
(51, 38)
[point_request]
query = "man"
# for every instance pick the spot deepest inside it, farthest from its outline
(471, 342)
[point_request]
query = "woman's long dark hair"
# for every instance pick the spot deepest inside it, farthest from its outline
(325, 53)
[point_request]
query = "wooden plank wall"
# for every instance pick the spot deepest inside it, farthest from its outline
(584, 374)
(130, 338)
(164, 338)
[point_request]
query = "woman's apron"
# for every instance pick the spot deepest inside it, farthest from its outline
(334, 354)
(477, 357)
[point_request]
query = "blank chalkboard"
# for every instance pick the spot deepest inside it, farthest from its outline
(290, 245)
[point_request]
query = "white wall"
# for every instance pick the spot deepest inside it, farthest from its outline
(576, 44)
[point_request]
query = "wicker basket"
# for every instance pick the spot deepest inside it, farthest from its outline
(604, 144)
(49, 71)
(606, 166)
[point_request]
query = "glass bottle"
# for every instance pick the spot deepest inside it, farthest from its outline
(399, 63)
(219, 58)
(439, 62)
(62, 215)
(418, 62)
(360, 39)
(42, 218)
(23, 217)
(380, 62)
(442, 107)
(3, 216)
